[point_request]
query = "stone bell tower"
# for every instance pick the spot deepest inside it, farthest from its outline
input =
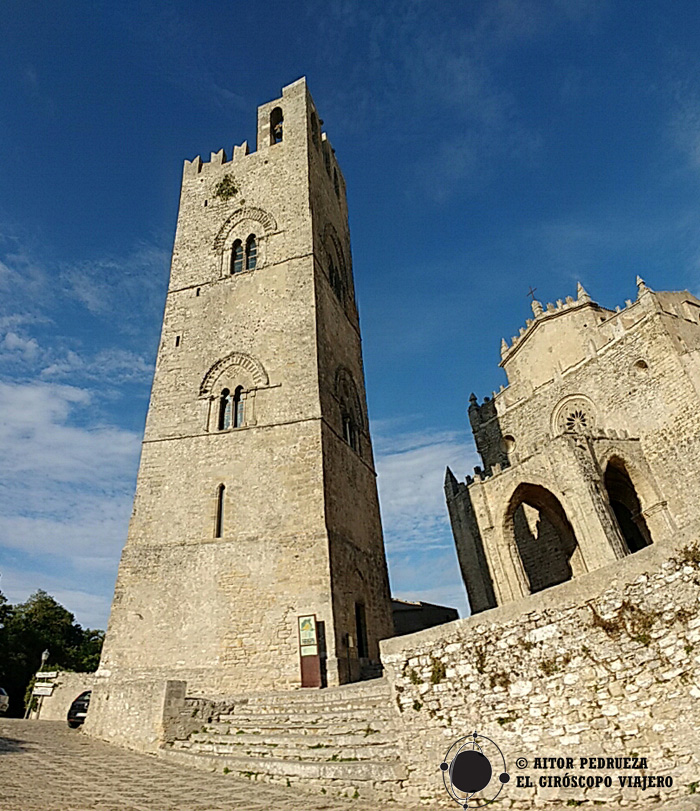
(256, 499)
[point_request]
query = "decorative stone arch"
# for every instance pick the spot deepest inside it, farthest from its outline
(239, 226)
(574, 414)
(247, 363)
(236, 373)
(540, 539)
(636, 469)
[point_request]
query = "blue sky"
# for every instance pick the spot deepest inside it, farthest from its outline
(487, 146)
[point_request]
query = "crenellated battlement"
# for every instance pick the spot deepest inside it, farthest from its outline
(289, 122)
(216, 161)
(545, 313)
(583, 303)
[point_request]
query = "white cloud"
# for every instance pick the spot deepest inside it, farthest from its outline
(411, 472)
(420, 548)
(66, 491)
(411, 58)
(129, 284)
(91, 610)
(685, 124)
(28, 348)
(110, 365)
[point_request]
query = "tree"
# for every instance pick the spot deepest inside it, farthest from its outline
(41, 624)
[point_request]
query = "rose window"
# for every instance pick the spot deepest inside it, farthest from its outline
(577, 421)
(575, 414)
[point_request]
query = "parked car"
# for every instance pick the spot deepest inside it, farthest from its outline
(4, 700)
(78, 709)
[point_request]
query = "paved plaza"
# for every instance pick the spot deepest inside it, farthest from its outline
(45, 766)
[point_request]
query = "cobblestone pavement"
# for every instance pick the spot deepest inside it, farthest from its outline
(44, 766)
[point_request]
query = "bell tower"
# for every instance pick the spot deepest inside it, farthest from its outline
(256, 500)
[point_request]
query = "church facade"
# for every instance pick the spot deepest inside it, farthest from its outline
(592, 450)
(256, 501)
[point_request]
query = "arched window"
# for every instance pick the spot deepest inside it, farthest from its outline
(349, 409)
(251, 253)
(219, 522)
(327, 160)
(237, 257)
(238, 407)
(276, 125)
(225, 410)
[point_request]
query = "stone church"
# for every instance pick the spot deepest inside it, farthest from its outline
(592, 450)
(255, 563)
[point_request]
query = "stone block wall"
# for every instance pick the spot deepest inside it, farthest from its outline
(607, 666)
(136, 713)
(68, 686)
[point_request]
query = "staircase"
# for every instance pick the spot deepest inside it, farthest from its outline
(337, 741)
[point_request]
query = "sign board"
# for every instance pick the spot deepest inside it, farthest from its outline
(308, 651)
(42, 690)
(307, 635)
(47, 674)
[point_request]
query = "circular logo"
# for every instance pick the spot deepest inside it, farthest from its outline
(468, 770)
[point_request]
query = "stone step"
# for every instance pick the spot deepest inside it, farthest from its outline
(385, 752)
(360, 717)
(377, 703)
(314, 732)
(300, 707)
(352, 773)
(218, 733)
(338, 740)
(360, 692)
(313, 726)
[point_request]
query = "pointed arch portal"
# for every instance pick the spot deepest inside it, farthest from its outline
(626, 506)
(545, 541)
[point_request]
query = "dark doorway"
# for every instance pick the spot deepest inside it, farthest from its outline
(543, 536)
(361, 630)
(626, 506)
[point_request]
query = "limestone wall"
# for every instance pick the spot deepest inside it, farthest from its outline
(136, 713)
(68, 686)
(239, 528)
(607, 665)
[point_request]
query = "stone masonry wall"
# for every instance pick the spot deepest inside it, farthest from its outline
(68, 686)
(607, 665)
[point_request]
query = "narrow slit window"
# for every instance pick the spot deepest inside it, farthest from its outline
(177, 340)
(349, 431)
(237, 257)
(336, 184)
(361, 631)
(219, 523)
(251, 253)
(335, 280)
